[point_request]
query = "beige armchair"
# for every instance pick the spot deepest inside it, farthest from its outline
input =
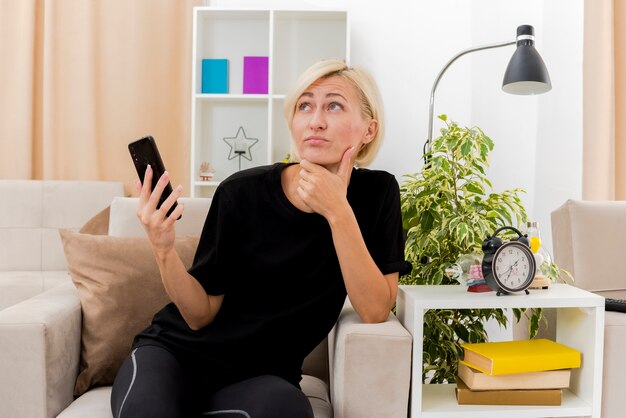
(361, 371)
(588, 239)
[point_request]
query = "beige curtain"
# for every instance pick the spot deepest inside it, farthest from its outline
(604, 91)
(81, 79)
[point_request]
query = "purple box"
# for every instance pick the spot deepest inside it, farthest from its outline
(255, 75)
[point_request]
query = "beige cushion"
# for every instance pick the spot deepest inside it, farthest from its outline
(29, 221)
(24, 207)
(69, 204)
(20, 249)
(124, 222)
(98, 224)
(316, 363)
(120, 290)
(94, 404)
(317, 392)
(16, 286)
(588, 241)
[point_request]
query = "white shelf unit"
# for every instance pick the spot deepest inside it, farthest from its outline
(580, 325)
(293, 40)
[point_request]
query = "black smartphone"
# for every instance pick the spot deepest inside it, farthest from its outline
(144, 151)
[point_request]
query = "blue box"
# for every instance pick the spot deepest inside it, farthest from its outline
(214, 76)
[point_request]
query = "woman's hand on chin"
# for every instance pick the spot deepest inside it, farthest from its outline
(322, 190)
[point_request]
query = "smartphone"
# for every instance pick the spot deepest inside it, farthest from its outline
(144, 151)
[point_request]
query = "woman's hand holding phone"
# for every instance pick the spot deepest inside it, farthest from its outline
(159, 227)
(144, 153)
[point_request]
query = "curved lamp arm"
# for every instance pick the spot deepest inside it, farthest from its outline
(443, 70)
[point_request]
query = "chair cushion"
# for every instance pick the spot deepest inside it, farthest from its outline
(120, 290)
(98, 224)
(124, 223)
(587, 240)
(317, 392)
(96, 402)
(17, 286)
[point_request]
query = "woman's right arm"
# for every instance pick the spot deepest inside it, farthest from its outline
(195, 305)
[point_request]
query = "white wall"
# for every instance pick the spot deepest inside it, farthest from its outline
(405, 43)
(538, 138)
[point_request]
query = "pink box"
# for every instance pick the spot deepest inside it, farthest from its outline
(255, 71)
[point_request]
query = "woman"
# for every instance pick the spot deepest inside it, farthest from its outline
(281, 247)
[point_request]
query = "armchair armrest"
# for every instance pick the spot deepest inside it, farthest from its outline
(370, 367)
(40, 340)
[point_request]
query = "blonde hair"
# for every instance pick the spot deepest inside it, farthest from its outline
(367, 91)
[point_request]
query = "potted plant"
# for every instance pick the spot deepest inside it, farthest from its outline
(448, 209)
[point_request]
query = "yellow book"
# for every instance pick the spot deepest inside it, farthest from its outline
(520, 356)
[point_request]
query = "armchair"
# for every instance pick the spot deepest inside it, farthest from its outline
(361, 370)
(588, 240)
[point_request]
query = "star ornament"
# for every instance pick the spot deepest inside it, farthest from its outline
(240, 145)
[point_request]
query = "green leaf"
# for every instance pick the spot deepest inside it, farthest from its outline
(426, 221)
(534, 324)
(462, 231)
(475, 188)
(492, 214)
(488, 142)
(504, 214)
(517, 313)
(424, 193)
(466, 148)
(479, 168)
(437, 278)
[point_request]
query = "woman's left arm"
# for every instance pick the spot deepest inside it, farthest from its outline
(371, 293)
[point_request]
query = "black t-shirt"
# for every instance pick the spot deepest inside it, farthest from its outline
(278, 271)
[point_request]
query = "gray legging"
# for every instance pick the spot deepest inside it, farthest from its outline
(151, 383)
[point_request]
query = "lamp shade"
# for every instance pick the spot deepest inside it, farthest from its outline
(526, 72)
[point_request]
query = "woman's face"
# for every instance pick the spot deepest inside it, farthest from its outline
(328, 120)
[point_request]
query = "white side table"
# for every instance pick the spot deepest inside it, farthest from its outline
(580, 325)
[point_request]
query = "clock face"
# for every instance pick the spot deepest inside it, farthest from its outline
(513, 266)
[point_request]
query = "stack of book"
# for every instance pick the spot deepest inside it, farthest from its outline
(525, 372)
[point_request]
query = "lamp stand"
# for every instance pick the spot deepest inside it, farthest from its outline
(427, 145)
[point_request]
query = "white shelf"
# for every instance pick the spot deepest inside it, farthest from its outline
(457, 297)
(439, 401)
(233, 97)
(293, 40)
(206, 183)
(239, 97)
(580, 325)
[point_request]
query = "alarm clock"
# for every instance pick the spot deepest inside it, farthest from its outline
(508, 267)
